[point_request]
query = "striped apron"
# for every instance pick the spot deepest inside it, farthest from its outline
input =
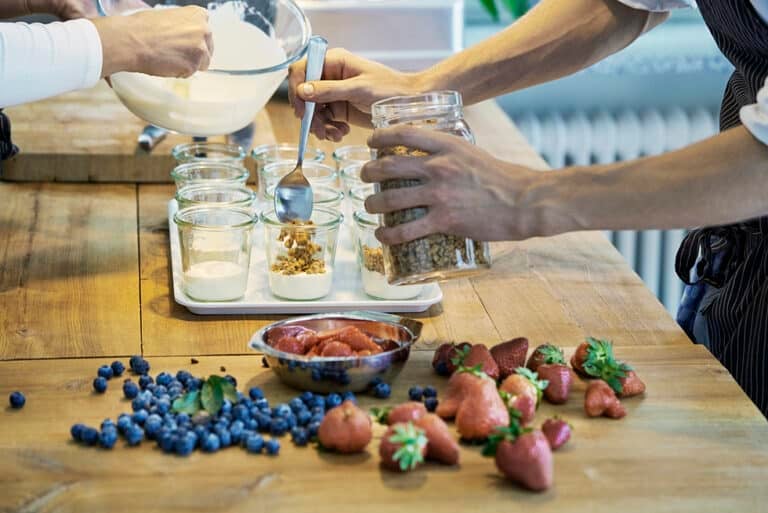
(725, 268)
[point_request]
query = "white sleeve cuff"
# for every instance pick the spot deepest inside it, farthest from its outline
(755, 117)
(42, 60)
(658, 5)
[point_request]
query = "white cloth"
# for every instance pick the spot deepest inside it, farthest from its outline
(41, 60)
(754, 117)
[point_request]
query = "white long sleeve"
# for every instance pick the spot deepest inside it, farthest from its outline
(42, 60)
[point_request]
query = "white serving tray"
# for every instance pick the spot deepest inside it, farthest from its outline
(347, 293)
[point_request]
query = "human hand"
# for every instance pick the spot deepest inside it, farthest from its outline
(467, 191)
(350, 85)
(174, 42)
(73, 9)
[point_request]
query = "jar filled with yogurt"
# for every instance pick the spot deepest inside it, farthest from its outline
(370, 257)
(301, 256)
(215, 247)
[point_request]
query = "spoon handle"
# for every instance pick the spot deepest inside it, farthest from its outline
(315, 61)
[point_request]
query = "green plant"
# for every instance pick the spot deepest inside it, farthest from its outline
(515, 7)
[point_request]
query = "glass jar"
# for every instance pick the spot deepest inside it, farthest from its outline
(370, 258)
(437, 256)
(354, 154)
(316, 173)
(209, 173)
(268, 153)
(216, 196)
(215, 251)
(210, 151)
(323, 196)
(300, 257)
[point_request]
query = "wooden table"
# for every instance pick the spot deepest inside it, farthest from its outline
(84, 280)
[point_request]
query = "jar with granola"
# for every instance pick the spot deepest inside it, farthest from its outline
(300, 256)
(437, 256)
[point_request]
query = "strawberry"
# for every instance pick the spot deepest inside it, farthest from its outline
(524, 382)
(441, 446)
(448, 357)
(480, 355)
(472, 398)
(403, 447)
(525, 406)
(560, 381)
(346, 428)
(631, 385)
(545, 353)
(510, 355)
(406, 412)
(527, 460)
(290, 345)
(600, 399)
(557, 431)
(337, 349)
(594, 359)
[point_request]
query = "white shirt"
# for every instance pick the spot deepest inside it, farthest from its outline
(38, 61)
(754, 117)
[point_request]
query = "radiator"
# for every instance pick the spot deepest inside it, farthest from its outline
(582, 138)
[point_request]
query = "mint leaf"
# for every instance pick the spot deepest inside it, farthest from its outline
(229, 391)
(490, 6)
(189, 403)
(212, 397)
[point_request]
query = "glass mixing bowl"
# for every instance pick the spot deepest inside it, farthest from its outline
(254, 43)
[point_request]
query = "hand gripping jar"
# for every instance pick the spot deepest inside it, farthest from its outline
(438, 256)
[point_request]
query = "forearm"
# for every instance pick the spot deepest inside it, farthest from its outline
(555, 39)
(13, 8)
(718, 181)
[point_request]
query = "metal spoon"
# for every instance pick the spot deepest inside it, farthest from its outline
(293, 195)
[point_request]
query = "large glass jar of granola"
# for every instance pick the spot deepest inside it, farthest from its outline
(437, 256)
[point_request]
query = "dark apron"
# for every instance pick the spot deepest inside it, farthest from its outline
(7, 148)
(725, 268)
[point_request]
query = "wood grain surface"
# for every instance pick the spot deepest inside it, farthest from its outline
(89, 136)
(691, 444)
(68, 270)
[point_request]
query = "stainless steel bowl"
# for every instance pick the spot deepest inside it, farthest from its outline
(340, 374)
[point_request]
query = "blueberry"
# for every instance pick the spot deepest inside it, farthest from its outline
(201, 432)
(139, 365)
(236, 431)
(108, 438)
(117, 368)
(89, 436)
(167, 441)
(303, 417)
(225, 437)
(124, 421)
(134, 435)
(374, 382)
(307, 397)
(254, 443)
(175, 391)
(430, 403)
(415, 393)
(279, 426)
(332, 401)
(164, 379)
(182, 418)
(300, 436)
(349, 396)
(430, 391)
(281, 410)
(297, 404)
(210, 443)
(163, 406)
(382, 391)
(251, 424)
(231, 379)
(77, 432)
(241, 412)
(261, 403)
(130, 389)
(107, 423)
(17, 400)
(255, 393)
(105, 371)
(185, 444)
(264, 422)
(159, 391)
(442, 369)
(316, 418)
(100, 385)
(317, 375)
(152, 425)
(194, 384)
(318, 401)
(140, 416)
(145, 380)
(272, 446)
(183, 377)
(290, 421)
(317, 411)
(139, 404)
(312, 428)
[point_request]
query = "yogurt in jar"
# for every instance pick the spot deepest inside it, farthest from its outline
(375, 284)
(301, 286)
(215, 280)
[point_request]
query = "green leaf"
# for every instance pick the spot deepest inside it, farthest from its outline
(412, 441)
(552, 354)
(212, 396)
(516, 7)
(189, 403)
(490, 7)
(381, 415)
(229, 391)
(601, 363)
(462, 353)
(477, 370)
